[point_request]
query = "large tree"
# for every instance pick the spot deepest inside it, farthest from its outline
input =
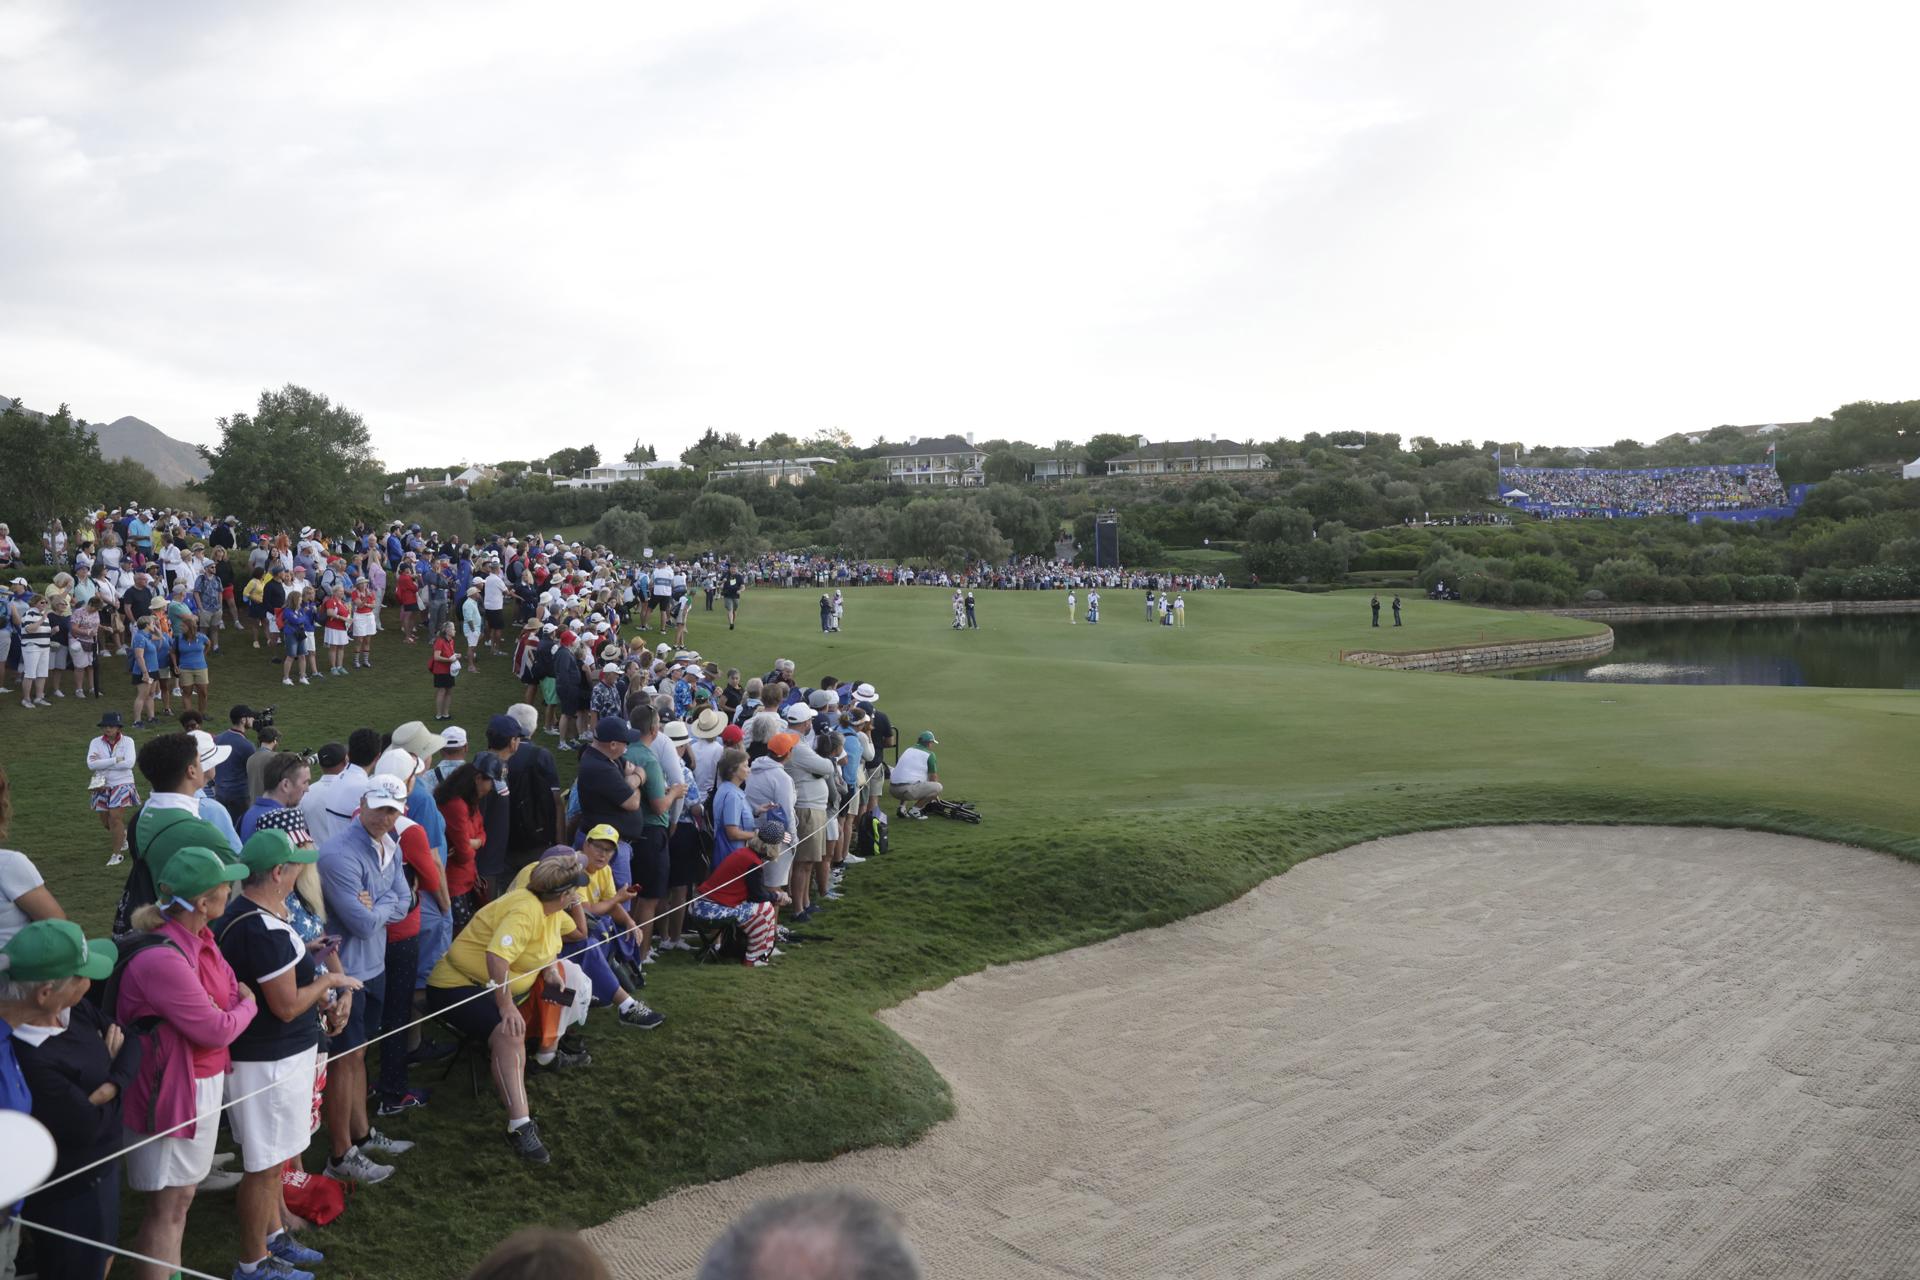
(1004, 466)
(297, 459)
(642, 453)
(48, 468)
(716, 518)
(948, 531)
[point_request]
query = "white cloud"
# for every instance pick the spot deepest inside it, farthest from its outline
(495, 230)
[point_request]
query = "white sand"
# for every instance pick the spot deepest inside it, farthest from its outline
(1534, 1051)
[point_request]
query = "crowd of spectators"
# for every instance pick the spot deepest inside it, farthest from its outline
(1649, 491)
(290, 923)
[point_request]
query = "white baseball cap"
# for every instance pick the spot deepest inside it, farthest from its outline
(212, 753)
(798, 713)
(384, 792)
(454, 736)
(398, 763)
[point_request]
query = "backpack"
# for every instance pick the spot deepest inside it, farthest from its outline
(529, 819)
(140, 888)
(107, 994)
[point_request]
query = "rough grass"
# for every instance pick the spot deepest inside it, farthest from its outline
(1130, 774)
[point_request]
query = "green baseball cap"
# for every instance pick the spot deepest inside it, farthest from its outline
(194, 870)
(927, 739)
(266, 849)
(49, 950)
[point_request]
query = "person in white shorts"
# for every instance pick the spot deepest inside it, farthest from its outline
(270, 1077)
(1071, 616)
(186, 987)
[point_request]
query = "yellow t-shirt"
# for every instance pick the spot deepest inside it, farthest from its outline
(599, 883)
(515, 927)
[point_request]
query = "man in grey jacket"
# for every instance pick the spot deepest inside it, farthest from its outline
(809, 771)
(364, 881)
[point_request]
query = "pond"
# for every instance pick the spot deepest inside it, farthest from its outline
(1873, 651)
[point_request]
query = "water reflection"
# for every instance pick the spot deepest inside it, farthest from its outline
(1875, 652)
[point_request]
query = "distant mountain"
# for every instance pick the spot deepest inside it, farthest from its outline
(173, 462)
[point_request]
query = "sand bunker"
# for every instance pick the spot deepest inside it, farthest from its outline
(1522, 1051)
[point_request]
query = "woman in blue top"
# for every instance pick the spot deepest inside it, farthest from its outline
(732, 816)
(143, 659)
(190, 656)
(296, 632)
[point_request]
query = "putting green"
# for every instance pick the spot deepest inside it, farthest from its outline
(1131, 774)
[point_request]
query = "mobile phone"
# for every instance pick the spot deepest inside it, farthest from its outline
(556, 994)
(330, 943)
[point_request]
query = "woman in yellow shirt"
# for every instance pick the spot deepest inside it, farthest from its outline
(512, 945)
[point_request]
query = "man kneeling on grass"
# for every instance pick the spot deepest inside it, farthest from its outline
(513, 946)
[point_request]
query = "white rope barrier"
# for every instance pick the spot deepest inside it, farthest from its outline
(487, 990)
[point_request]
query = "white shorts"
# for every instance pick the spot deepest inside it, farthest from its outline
(363, 624)
(272, 1127)
(35, 661)
(180, 1162)
(335, 637)
(79, 656)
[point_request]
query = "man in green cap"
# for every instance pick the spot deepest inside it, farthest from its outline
(273, 1061)
(74, 1066)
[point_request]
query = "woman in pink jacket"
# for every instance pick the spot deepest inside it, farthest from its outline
(178, 994)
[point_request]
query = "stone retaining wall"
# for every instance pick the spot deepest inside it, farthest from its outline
(1784, 609)
(1470, 658)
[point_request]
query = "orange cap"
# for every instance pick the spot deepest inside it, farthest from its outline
(781, 743)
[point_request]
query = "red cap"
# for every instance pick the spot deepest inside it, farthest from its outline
(732, 735)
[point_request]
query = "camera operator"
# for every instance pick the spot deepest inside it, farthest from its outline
(230, 775)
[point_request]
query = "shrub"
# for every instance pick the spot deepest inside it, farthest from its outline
(627, 533)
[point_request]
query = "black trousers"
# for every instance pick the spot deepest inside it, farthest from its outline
(94, 1213)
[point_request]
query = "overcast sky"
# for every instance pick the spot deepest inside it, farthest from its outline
(496, 229)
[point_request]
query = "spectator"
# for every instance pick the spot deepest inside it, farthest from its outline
(736, 892)
(444, 667)
(602, 905)
(364, 881)
(111, 758)
(24, 896)
(514, 943)
(540, 1253)
(230, 778)
(181, 986)
(652, 860)
(820, 1235)
(266, 742)
(532, 778)
(769, 793)
(270, 1078)
(809, 772)
(76, 1066)
(425, 884)
(459, 797)
(170, 820)
(916, 777)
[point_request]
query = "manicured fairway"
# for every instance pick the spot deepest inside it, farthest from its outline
(1130, 774)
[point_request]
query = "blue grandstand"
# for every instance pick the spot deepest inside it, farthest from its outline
(1739, 491)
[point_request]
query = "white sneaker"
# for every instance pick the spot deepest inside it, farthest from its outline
(58, 694)
(220, 1180)
(355, 1165)
(304, 680)
(116, 859)
(381, 1143)
(854, 859)
(289, 680)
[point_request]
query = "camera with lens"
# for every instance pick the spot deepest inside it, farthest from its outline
(263, 718)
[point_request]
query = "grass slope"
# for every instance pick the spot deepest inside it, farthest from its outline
(1130, 774)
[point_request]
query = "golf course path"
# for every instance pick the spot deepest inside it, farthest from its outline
(1500, 1052)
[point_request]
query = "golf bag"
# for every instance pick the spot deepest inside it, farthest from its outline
(959, 811)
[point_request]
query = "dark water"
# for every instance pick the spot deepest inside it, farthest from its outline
(1864, 652)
